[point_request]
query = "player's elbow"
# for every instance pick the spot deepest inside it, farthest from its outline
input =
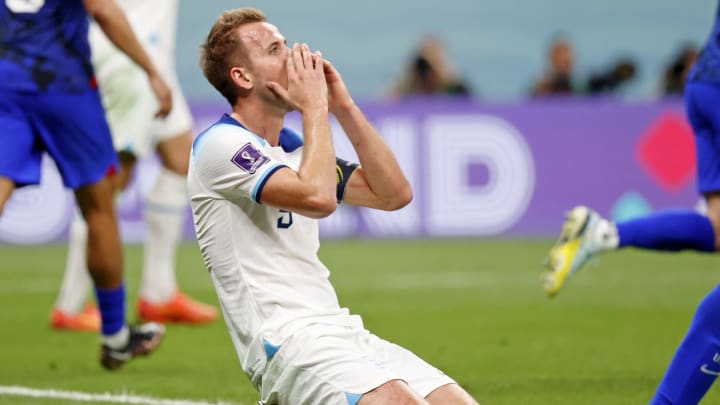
(100, 10)
(401, 198)
(320, 206)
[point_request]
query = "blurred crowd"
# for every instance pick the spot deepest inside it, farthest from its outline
(429, 72)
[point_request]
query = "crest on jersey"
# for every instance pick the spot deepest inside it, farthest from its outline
(249, 159)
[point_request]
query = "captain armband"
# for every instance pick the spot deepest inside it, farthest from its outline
(343, 170)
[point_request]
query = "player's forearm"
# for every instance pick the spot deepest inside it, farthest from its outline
(116, 27)
(382, 171)
(317, 170)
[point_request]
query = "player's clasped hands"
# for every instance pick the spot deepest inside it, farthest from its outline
(306, 88)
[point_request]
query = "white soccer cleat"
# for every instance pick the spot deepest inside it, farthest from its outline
(578, 243)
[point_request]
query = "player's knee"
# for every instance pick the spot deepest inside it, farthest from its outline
(450, 394)
(175, 153)
(96, 200)
(392, 392)
(6, 188)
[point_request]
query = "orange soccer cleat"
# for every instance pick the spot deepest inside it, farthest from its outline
(179, 309)
(86, 320)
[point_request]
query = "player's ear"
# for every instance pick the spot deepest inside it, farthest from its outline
(241, 77)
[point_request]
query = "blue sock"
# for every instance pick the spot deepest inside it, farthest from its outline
(669, 230)
(697, 361)
(112, 308)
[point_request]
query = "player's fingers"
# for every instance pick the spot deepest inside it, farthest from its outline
(297, 57)
(164, 109)
(291, 70)
(317, 60)
(164, 97)
(328, 66)
(306, 56)
(161, 113)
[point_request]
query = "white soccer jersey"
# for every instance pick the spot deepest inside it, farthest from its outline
(263, 260)
(126, 93)
(154, 22)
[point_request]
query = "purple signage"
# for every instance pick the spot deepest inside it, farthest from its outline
(482, 170)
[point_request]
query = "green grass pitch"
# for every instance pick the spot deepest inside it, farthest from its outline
(473, 308)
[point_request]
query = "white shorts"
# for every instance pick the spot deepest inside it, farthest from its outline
(129, 102)
(336, 364)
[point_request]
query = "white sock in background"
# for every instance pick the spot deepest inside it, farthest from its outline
(76, 281)
(165, 208)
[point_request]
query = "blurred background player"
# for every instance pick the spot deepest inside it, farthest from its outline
(128, 101)
(49, 103)
(558, 79)
(257, 190)
(430, 73)
(676, 72)
(696, 364)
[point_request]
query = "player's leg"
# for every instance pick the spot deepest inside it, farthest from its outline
(585, 233)
(70, 310)
(421, 378)
(6, 188)
(79, 141)
(450, 394)
(104, 248)
(696, 363)
(165, 211)
(120, 83)
(675, 230)
(328, 363)
(393, 392)
(165, 207)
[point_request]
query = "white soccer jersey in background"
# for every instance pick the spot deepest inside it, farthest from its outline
(127, 96)
(263, 260)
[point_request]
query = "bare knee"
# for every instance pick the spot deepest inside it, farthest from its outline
(6, 188)
(96, 201)
(392, 392)
(175, 153)
(450, 394)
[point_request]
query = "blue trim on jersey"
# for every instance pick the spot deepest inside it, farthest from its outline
(261, 184)
(353, 399)
(290, 140)
(270, 349)
(199, 140)
(225, 119)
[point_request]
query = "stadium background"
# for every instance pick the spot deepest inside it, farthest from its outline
(493, 165)
(492, 176)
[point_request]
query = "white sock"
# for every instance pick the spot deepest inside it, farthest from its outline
(117, 340)
(165, 208)
(605, 236)
(76, 281)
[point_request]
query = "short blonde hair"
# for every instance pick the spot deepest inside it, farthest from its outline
(223, 49)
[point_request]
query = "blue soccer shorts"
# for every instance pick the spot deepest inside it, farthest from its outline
(70, 127)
